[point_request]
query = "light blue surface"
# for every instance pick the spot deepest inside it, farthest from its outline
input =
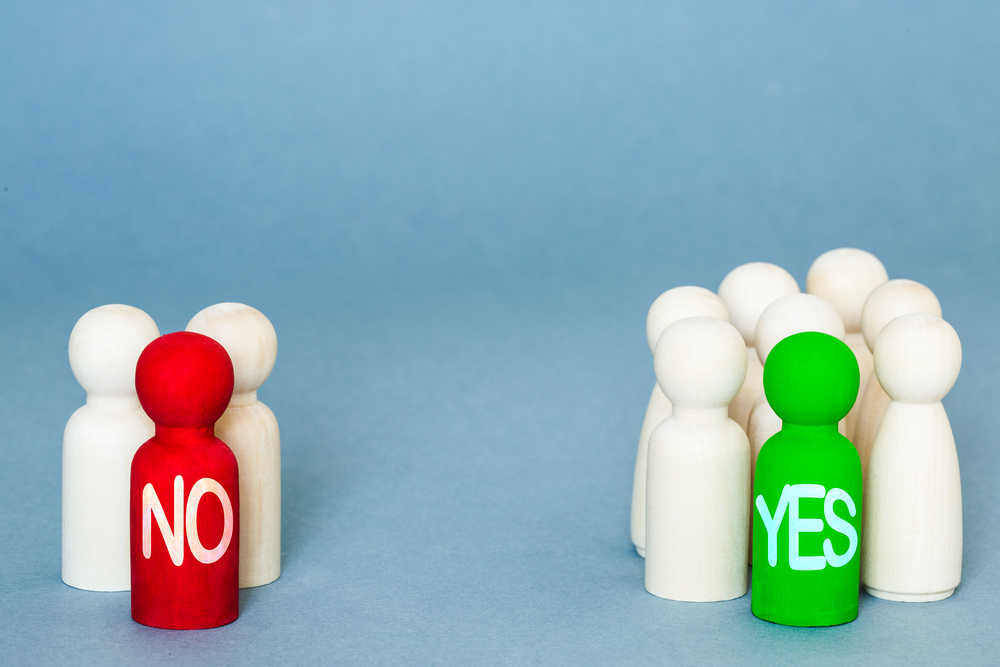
(456, 218)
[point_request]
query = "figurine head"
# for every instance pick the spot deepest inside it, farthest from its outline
(184, 380)
(811, 378)
(794, 314)
(700, 362)
(679, 303)
(845, 277)
(917, 358)
(105, 345)
(748, 289)
(891, 300)
(247, 336)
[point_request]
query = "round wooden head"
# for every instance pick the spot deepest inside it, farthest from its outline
(184, 380)
(247, 336)
(917, 358)
(700, 362)
(811, 378)
(105, 345)
(845, 277)
(679, 303)
(891, 300)
(747, 290)
(794, 314)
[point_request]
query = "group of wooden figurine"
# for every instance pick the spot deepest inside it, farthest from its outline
(805, 431)
(152, 500)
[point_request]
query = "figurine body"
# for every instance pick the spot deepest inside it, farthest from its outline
(671, 306)
(98, 445)
(185, 504)
(698, 473)
(807, 488)
(250, 429)
(913, 519)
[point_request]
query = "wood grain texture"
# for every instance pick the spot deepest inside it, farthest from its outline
(673, 305)
(912, 540)
(873, 404)
(98, 445)
(697, 489)
(856, 342)
(747, 290)
(845, 277)
(251, 431)
(887, 302)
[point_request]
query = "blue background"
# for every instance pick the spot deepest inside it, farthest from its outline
(456, 216)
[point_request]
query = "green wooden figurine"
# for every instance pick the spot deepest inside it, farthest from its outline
(807, 486)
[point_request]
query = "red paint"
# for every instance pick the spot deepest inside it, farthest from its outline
(184, 382)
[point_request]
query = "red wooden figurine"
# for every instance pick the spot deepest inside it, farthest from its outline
(185, 504)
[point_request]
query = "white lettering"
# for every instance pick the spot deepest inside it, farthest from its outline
(790, 496)
(840, 526)
(771, 525)
(798, 525)
(200, 488)
(174, 539)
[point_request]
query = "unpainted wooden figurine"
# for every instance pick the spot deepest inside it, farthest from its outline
(698, 471)
(747, 290)
(100, 439)
(671, 306)
(845, 277)
(251, 431)
(889, 301)
(785, 317)
(912, 546)
(184, 498)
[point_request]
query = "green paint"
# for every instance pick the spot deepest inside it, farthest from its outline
(807, 477)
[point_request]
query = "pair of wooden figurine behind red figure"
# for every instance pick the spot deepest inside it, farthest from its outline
(184, 493)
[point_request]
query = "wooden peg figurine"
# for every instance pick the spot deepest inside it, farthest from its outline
(913, 493)
(185, 489)
(805, 568)
(698, 471)
(671, 306)
(98, 444)
(747, 290)
(251, 431)
(845, 277)
(893, 299)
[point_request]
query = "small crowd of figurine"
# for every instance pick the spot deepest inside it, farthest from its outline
(172, 470)
(804, 434)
